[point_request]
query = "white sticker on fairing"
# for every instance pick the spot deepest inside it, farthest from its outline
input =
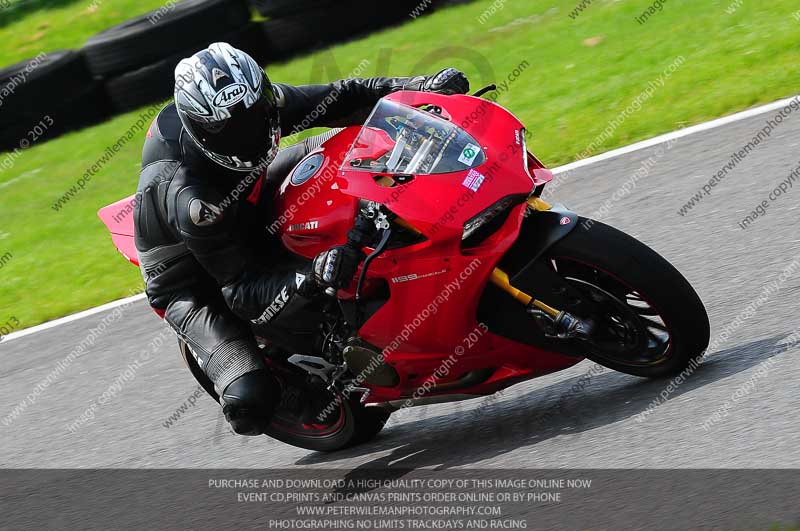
(474, 180)
(469, 154)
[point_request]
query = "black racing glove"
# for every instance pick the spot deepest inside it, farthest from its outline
(448, 81)
(335, 268)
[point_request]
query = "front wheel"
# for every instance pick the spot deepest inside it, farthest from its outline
(647, 320)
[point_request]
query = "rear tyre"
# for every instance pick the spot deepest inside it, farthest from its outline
(346, 424)
(652, 323)
(359, 425)
(349, 424)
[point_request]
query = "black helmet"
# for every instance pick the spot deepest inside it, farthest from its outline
(228, 106)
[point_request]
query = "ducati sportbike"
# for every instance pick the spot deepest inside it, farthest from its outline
(471, 282)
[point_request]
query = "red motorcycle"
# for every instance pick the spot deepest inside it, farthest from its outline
(471, 283)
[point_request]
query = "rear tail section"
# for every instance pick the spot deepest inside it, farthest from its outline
(118, 218)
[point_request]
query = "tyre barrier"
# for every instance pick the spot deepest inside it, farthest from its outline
(329, 23)
(131, 64)
(155, 82)
(150, 37)
(31, 112)
(283, 8)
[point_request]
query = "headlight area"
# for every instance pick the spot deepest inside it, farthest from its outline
(480, 227)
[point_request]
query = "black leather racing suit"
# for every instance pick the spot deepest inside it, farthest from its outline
(208, 266)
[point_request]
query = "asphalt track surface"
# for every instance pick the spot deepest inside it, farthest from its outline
(543, 423)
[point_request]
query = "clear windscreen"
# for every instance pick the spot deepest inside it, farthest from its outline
(403, 140)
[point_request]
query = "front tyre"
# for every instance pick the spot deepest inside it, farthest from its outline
(647, 319)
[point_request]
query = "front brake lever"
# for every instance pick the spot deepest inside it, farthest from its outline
(387, 233)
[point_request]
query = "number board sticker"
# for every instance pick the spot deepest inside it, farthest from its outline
(469, 154)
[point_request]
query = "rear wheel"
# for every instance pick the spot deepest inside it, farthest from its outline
(346, 421)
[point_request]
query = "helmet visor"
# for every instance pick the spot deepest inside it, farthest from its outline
(250, 136)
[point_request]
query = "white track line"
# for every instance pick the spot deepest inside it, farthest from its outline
(713, 124)
(71, 318)
(644, 144)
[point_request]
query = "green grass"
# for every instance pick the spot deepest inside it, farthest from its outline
(28, 27)
(582, 74)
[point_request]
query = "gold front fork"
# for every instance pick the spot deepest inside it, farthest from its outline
(500, 278)
(537, 203)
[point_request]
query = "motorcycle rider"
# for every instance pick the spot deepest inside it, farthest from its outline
(209, 165)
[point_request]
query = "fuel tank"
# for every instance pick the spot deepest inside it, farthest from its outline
(311, 213)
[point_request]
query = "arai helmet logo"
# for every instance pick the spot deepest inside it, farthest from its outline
(230, 95)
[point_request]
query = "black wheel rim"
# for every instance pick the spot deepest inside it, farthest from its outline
(288, 416)
(289, 423)
(628, 328)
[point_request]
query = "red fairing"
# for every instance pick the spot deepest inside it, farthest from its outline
(314, 216)
(436, 184)
(434, 285)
